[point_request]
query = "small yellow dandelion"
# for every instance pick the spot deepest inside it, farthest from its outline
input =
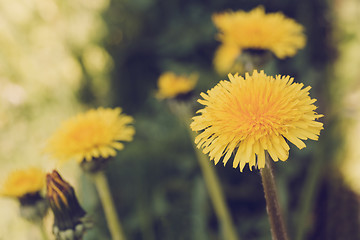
(225, 59)
(96, 133)
(256, 30)
(251, 115)
(23, 182)
(171, 85)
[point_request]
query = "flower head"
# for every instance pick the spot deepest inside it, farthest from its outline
(225, 59)
(260, 31)
(69, 217)
(251, 115)
(23, 182)
(96, 133)
(25, 185)
(172, 86)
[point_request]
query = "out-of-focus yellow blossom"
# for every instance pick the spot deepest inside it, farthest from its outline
(96, 133)
(225, 59)
(251, 115)
(257, 30)
(171, 85)
(22, 182)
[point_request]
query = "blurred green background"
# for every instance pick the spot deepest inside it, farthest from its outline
(60, 57)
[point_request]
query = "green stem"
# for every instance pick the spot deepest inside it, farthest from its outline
(211, 179)
(278, 230)
(107, 201)
(307, 197)
(42, 229)
(216, 195)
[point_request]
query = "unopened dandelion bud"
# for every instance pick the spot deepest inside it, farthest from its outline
(70, 221)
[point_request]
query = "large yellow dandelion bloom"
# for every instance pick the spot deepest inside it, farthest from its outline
(171, 85)
(96, 133)
(260, 31)
(22, 182)
(251, 115)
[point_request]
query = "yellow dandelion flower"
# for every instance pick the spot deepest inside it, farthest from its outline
(96, 133)
(257, 30)
(225, 59)
(247, 116)
(22, 182)
(171, 86)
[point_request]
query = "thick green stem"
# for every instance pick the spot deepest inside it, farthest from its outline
(107, 201)
(278, 230)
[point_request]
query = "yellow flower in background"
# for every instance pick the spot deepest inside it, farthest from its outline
(22, 182)
(257, 30)
(171, 85)
(225, 59)
(96, 133)
(247, 116)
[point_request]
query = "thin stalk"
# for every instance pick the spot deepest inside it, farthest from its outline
(107, 201)
(211, 179)
(42, 229)
(216, 195)
(307, 197)
(278, 230)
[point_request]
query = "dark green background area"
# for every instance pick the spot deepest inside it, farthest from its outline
(156, 181)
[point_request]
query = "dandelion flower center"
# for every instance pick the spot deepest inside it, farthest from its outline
(85, 132)
(251, 115)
